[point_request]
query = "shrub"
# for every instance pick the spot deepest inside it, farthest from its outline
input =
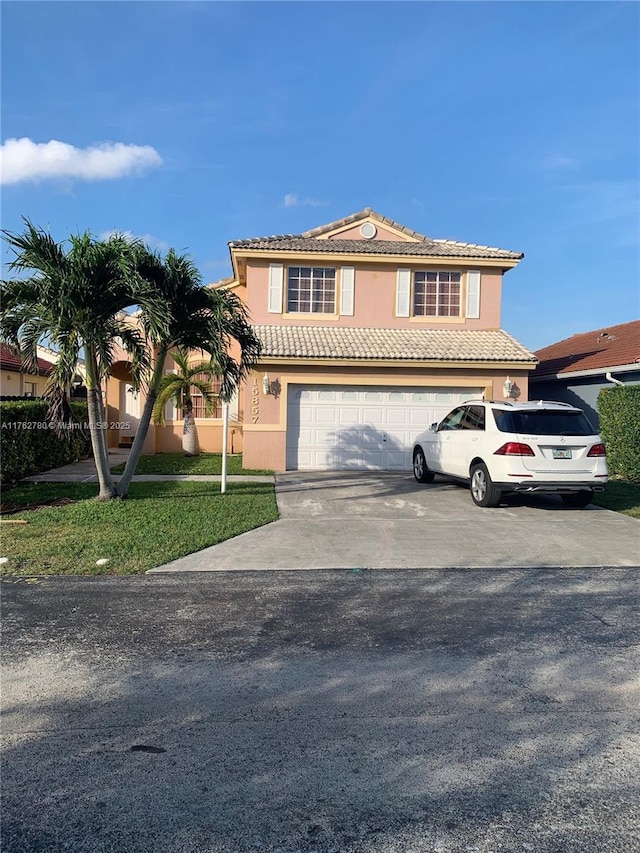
(619, 411)
(28, 446)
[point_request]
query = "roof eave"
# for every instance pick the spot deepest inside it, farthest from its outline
(592, 371)
(480, 364)
(238, 252)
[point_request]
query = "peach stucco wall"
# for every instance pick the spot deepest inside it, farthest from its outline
(375, 296)
(12, 382)
(265, 431)
(168, 438)
(354, 234)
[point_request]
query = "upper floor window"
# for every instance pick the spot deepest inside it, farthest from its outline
(311, 290)
(436, 294)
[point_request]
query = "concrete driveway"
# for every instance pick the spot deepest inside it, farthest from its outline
(349, 520)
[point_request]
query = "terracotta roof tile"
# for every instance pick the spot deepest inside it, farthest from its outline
(425, 247)
(341, 342)
(422, 249)
(602, 348)
(10, 361)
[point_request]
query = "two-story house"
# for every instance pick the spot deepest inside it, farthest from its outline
(370, 332)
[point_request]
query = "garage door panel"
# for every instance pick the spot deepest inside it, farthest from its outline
(349, 415)
(362, 428)
(325, 437)
(397, 460)
(374, 416)
(398, 416)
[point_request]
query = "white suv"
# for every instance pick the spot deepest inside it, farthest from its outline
(515, 447)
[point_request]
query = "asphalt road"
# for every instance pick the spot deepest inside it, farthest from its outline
(399, 711)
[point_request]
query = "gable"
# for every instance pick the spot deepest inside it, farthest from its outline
(365, 225)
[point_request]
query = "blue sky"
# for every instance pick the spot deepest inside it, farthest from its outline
(506, 124)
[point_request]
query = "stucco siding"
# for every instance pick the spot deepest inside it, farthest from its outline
(375, 297)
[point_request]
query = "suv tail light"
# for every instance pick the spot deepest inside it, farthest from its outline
(597, 450)
(514, 448)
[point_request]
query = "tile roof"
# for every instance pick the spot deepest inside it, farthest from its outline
(603, 348)
(425, 248)
(309, 241)
(10, 361)
(342, 342)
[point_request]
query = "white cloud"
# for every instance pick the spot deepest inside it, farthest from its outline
(292, 200)
(147, 239)
(26, 160)
(559, 161)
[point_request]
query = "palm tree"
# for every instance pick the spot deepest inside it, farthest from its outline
(177, 387)
(76, 296)
(201, 318)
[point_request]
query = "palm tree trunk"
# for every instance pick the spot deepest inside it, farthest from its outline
(97, 429)
(143, 426)
(189, 432)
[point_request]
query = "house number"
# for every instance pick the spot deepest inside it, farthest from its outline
(255, 401)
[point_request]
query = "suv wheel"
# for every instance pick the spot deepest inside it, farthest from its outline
(483, 492)
(579, 499)
(420, 470)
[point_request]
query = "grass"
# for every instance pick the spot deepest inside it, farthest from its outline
(178, 463)
(620, 496)
(157, 523)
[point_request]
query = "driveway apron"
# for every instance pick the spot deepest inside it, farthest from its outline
(355, 520)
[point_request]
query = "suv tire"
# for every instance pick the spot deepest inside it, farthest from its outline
(578, 499)
(483, 492)
(420, 470)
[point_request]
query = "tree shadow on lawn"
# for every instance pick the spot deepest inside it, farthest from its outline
(300, 720)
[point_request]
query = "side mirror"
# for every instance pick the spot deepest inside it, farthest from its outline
(434, 427)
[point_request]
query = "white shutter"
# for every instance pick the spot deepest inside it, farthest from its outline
(473, 294)
(403, 292)
(233, 406)
(276, 278)
(170, 411)
(347, 282)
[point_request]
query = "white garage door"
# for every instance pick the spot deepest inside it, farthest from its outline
(338, 427)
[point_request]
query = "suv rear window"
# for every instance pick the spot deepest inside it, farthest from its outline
(543, 422)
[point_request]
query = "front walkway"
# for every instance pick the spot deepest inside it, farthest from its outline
(85, 472)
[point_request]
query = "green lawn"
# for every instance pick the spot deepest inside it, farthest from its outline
(178, 463)
(157, 523)
(620, 496)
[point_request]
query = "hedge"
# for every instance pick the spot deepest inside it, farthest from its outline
(619, 411)
(27, 444)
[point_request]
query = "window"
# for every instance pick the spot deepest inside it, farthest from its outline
(543, 422)
(199, 407)
(453, 420)
(311, 290)
(474, 418)
(30, 389)
(436, 294)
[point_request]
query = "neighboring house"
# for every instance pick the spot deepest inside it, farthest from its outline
(370, 332)
(576, 369)
(16, 382)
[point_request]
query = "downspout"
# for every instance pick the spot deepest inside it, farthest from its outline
(611, 378)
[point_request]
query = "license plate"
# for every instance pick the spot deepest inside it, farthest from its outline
(561, 453)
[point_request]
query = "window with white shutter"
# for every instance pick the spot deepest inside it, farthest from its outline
(403, 292)
(473, 294)
(276, 278)
(347, 284)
